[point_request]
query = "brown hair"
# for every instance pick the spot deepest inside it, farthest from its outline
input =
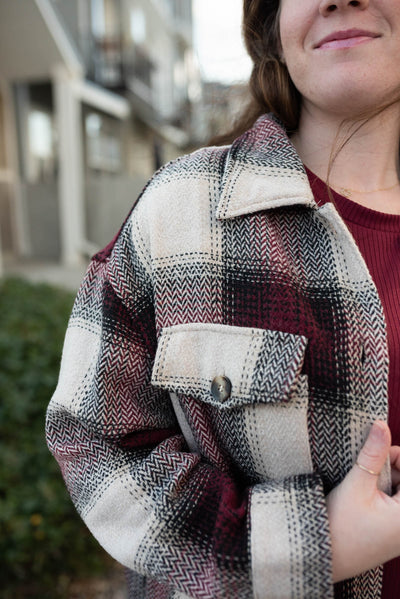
(270, 85)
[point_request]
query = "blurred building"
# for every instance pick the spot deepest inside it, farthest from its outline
(94, 95)
(222, 106)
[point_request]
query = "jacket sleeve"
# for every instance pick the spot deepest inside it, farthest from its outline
(156, 507)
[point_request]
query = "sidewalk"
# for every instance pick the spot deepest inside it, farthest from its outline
(67, 277)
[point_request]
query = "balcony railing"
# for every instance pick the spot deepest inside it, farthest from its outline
(116, 67)
(105, 62)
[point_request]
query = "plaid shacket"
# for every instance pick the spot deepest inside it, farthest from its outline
(226, 267)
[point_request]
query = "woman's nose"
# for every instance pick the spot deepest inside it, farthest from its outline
(327, 6)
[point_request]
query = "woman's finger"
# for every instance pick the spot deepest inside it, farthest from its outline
(395, 478)
(396, 493)
(395, 464)
(372, 456)
(395, 456)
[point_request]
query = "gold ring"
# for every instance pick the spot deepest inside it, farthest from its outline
(367, 470)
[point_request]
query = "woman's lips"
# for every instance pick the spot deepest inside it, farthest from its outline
(345, 39)
(346, 43)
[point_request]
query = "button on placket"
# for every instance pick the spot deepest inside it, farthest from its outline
(221, 388)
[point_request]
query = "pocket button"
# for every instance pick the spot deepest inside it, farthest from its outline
(221, 388)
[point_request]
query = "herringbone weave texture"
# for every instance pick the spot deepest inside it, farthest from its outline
(225, 267)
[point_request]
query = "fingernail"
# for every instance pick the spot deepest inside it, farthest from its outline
(378, 432)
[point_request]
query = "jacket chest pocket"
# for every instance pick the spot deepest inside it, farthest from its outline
(248, 385)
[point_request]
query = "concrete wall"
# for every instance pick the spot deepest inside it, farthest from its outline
(108, 202)
(41, 204)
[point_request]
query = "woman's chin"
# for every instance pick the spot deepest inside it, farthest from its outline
(352, 101)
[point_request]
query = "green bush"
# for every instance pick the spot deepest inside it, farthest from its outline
(42, 540)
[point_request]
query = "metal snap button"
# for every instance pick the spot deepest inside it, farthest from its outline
(221, 388)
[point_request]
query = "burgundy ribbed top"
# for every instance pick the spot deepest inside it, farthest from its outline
(378, 238)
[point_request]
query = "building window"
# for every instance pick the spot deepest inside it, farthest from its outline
(105, 18)
(42, 158)
(103, 142)
(40, 135)
(98, 18)
(37, 132)
(138, 26)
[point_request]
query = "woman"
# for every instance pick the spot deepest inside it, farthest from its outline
(220, 418)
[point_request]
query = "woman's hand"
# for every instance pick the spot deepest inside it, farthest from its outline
(364, 521)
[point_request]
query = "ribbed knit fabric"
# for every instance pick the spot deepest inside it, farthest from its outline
(378, 238)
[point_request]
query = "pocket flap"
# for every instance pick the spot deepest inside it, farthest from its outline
(261, 365)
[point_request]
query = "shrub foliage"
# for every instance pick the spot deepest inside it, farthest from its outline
(42, 539)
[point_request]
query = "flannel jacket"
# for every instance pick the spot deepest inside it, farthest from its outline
(225, 358)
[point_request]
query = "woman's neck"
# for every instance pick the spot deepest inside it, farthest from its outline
(366, 167)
